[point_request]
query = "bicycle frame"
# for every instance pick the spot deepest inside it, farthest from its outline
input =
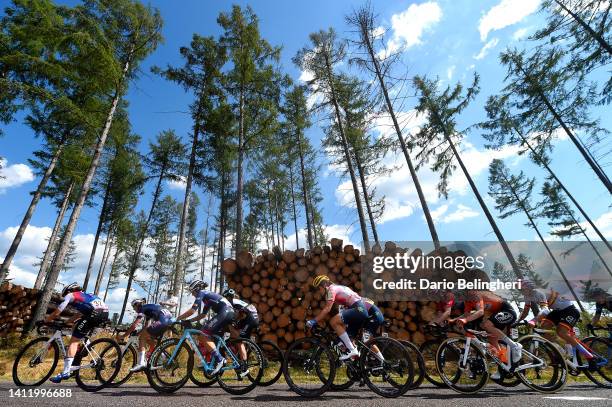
(58, 337)
(219, 342)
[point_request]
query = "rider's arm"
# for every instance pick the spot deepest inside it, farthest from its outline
(133, 326)
(324, 311)
(597, 316)
(60, 308)
(476, 314)
(525, 311)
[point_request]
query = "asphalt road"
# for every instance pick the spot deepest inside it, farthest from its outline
(278, 395)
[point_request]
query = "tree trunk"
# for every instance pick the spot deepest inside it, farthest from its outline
(205, 243)
(178, 267)
(304, 190)
(133, 265)
(101, 221)
(239, 182)
(537, 230)
(110, 274)
(349, 161)
(366, 198)
(108, 248)
(212, 261)
(481, 201)
(585, 154)
(51, 245)
(297, 242)
(10, 254)
(41, 306)
(540, 161)
(597, 37)
(398, 131)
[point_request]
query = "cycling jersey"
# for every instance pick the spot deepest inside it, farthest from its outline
(448, 302)
(376, 318)
(342, 295)
(154, 312)
(83, 302)
(558, 302)
(210, 300)
(245, 307)
(489, 302)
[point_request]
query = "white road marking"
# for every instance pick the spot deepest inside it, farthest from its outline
(575, 398)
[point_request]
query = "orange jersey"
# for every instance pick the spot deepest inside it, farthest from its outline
(487, 301)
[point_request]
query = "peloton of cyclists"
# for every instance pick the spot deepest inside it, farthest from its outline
(156, 320)
(92, 312)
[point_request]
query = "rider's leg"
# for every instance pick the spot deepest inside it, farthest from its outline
(145, 341)
(338, 327)
(73, 346)
(565, 332)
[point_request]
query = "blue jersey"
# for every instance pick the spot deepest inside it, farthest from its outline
(210, 300)
(83, 302)
(154, 312)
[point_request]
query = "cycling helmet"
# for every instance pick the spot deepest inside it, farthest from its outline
(528, 284)
(319, 279)
(229, 293)
(138, 302)
(70, 288)
(196, 285)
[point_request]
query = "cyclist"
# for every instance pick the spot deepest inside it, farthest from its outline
(349, 320)
(444, 307)
(602, 301)
(93, 312)
(534, 299)
(563, 314)
(493, 314)
(247, 319)
(216, 325)
(157, 318)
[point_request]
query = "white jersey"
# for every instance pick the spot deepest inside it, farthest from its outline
(558, 302)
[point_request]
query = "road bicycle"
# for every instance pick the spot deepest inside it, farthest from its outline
(601, 373)
(171, 363)
(429, 349)
(129, 354)
(463, 365)
(273, 358)
(95, 365)
(312, 362)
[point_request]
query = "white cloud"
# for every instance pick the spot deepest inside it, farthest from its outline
(603, 223)
(409, 25)
(437, 213)
(14, 175)
(486, 48)
(461, 213)
(504, 14)
(338, 231)
(520, 33)
(450, 71)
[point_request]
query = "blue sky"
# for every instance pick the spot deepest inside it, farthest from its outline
(446, 38)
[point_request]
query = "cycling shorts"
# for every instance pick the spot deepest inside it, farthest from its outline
(247, 325)
(157, 328)
(354, 317)
(505, 317)
(376, 319)
(218, 324)
(568, 315)
(85, 325)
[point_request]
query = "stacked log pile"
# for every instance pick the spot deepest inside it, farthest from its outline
(279, 284)
(17, 305)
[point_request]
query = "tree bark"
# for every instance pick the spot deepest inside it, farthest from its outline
(398, 131)
(10, 254)
(304, 188)
(101, 221)
(349, 163)
(537, 230)
(541, 161)
(51, 245)
(366, 198)
(239, 181)
(205, 245)
(41, 306)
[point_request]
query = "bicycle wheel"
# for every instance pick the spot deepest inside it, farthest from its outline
(602, 376)
(551, 373)
(35, 363)
(98, 362)
(392, 376)
(418, 364)
(309, 367)
(129, 359)
(462, 367)
(165, 375)
(200, 378)
(272, 362)
(240, 376)
(428, 350)
(345, 376)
